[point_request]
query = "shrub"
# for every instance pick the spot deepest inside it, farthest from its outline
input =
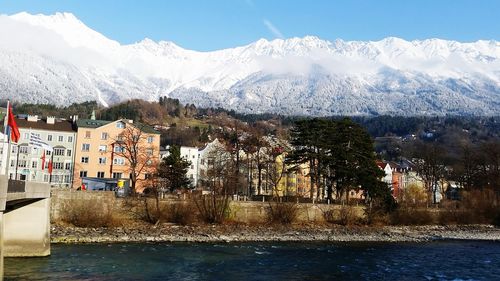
(180, 213)
(411, 216)
(87, 213)
(482, 204)
(282, 212)
(413, 196)
(213, 208)
(455, 216)
(496, 220)
(346, 215)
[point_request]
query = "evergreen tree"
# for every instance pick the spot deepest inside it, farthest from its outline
(174, 169)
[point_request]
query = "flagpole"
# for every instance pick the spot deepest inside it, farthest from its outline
(51, 164)
(6, 142)
(17, 160)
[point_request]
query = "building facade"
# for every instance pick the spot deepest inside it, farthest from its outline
(115, 150)
(25, 161)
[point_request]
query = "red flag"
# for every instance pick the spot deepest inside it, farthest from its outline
(50, 166)
(43, 160)
(14, 130)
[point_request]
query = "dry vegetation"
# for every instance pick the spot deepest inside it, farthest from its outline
(88, 213)
(282, 212)
(345, 215)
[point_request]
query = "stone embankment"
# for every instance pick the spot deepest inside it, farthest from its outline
(246, 233)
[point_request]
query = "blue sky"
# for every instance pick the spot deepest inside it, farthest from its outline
(214, 24)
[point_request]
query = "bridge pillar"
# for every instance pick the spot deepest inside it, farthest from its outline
(1, 245)
(26, 230)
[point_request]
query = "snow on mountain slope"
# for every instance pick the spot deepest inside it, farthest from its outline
(58, 59)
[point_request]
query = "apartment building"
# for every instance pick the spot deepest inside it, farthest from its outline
(25, 161)
(103, 152)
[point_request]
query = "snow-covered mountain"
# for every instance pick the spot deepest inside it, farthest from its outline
(58, 59)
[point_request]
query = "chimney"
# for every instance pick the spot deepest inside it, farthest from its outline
(32, 118)
(51, 120)
(74, 118)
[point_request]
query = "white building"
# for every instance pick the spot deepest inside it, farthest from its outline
(192, 155)
(199, 158)
(25, 161)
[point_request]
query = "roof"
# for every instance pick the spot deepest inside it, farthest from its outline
(90, 123)
(59, 125)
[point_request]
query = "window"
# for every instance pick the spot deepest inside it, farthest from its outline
(192, 167)
(83, 174)
(202, 161)
(85, 160)
(67, 166)
(119, 161)
(34, 164)
(118, 149)
(23, 149)
(85, 146)
(59, 151)
(58, 165)
(147, 176)
(102, 148)
(14, 149)
(26, 136)
(100, 174)
(149, 151)
(191, 176)
(102, 160)
(70, 138)
(117, 175)
(67, 178)
(104, 136)
(49, 137)
(12, 163)
(150, 139)
(48, 152)
(120, 125)
(21, 163)
(61, 138)
(68, 152)
(46, 178)
(87, 134)
(193, 156)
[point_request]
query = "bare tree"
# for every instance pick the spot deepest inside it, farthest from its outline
(139, 154)
(430, 166)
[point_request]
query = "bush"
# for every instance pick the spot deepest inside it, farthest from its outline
(411, 216)
(87, 213)
(282, 212)
(213, 208)
(496, 220)
(180, 213)
(346, 215)
(455, 216)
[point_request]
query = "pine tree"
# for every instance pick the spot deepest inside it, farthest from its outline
(174, 169)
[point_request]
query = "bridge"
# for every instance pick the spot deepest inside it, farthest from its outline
(24, 219)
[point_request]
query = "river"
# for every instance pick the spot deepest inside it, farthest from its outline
(444, 260)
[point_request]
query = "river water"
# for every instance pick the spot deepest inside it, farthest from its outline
(445, 260)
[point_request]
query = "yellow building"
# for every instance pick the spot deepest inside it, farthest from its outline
(294, 181)
(115, 150)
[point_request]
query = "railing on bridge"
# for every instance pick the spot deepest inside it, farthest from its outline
(16, 186)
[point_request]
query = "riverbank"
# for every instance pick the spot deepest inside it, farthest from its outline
(249, 233)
